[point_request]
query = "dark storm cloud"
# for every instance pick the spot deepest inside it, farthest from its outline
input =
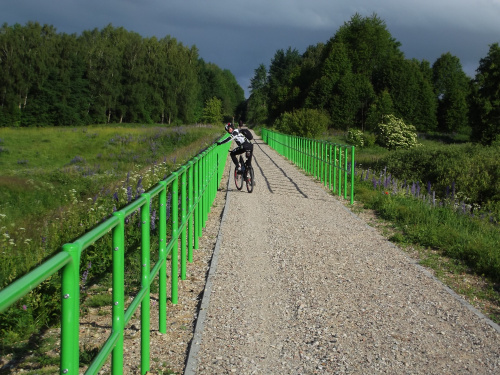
(239, 35)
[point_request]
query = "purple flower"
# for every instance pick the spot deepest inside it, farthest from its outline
(129, 194)
(25, 307)
(153, 219)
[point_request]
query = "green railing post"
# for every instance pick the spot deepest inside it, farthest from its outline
(183, 224)
(330, 167)
(352, 175)
(118, 281)
(335, 169)
(340, 171)
(70, 312)
(162, 257)
(175, 236)
(196, 178)
(190, 210)
(345, 172)
(146, 269)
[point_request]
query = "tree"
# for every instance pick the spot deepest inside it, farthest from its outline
(485, 99)
(369, 45)
(382, 106)
(282, 89)
(451, 90)
(212, 113)
(257, 103)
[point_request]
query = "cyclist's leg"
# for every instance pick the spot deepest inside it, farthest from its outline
(249, 147)
(233, 155)
(237, 151)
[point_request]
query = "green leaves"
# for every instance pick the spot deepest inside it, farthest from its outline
(212, 113)
(105, 76)
(394, 134)
(306, 123)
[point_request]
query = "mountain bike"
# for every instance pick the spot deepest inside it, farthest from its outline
(246, 174)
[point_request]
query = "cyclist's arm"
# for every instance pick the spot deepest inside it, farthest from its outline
(228, 139)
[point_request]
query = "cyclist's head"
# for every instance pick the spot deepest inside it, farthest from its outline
(229, 126)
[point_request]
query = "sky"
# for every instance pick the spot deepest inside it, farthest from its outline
(240, 35)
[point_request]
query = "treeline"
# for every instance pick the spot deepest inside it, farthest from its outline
(360, 75)
(106, 76)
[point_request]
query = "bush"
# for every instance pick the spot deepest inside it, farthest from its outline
(357, 138)
(394, 134)
(303, 123)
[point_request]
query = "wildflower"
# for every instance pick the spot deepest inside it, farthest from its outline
(25, 307)
(386, 193)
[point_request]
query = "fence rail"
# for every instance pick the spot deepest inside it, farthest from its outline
(330, 163)
(192, 189)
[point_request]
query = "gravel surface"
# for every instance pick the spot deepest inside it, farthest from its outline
(303, 286)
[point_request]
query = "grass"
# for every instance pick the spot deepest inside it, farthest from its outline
(68, 180)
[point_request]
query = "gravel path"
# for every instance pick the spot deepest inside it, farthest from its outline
(303, 286)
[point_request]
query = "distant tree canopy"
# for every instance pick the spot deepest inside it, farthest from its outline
(103, 76)
(360, 76)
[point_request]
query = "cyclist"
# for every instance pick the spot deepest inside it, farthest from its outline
(243, 144)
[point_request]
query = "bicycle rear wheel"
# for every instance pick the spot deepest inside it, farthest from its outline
(249, 179)
(238, 179)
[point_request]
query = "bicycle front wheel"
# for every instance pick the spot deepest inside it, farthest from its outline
(249, 179)
(238, 179)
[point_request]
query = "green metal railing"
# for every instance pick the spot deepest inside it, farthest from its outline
(330, 163)
(195, 186)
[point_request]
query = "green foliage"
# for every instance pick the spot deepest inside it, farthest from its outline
(394, 134)
(212, 113)
(451, 89)
(257, 103)
(106, 76)
(282, 89)
(474, 170)
(306, 123)
(485, 98)
(357, 138)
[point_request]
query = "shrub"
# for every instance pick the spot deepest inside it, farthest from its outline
(303, 123)
(357, 138)
(394, 134)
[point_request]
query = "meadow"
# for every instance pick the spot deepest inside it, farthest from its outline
(57, 183)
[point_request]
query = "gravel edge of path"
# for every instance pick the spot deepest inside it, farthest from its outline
(423, 269)
(194, 347)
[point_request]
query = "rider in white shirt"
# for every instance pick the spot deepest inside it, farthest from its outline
(243, 144)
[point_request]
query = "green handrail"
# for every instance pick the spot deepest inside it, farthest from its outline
(199, 179)
(327, 162)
